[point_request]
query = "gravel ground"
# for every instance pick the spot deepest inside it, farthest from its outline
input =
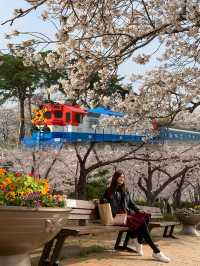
(184, 251)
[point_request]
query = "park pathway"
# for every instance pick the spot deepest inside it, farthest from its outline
(184, 251)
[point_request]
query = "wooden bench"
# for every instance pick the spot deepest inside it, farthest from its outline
(86, 214)
(157, 220)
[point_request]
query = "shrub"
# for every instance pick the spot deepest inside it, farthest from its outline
(97, 185)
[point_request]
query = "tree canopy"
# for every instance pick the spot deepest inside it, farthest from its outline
(102, 34)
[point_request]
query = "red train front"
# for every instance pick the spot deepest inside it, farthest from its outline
(56, 116)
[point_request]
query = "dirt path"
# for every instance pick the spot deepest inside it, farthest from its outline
(184, 251)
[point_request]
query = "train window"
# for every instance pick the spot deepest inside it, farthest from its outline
(78, 117)
(68, 117)
(47, 115)
(58, 114)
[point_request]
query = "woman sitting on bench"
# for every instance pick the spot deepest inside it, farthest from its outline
(137, 221)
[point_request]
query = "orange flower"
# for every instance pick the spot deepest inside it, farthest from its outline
(12, 186)
(2, 171)
(45, 190)
(2, 187)
(7, 181)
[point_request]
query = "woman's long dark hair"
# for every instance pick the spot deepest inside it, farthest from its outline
(114, 186)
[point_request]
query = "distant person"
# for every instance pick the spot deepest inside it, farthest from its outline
(137, 220)
(34, 128)
(46, 128)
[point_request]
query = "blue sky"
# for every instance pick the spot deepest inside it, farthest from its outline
(32, 22)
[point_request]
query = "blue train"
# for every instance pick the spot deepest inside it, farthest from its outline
(62, 123)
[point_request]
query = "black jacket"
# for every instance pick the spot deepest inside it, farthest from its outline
(120, 199)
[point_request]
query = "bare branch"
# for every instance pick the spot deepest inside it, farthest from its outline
(24, 13)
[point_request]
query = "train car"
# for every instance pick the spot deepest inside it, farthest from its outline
(57, 116)
(56, 123)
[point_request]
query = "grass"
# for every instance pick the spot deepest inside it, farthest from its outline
(85, 251)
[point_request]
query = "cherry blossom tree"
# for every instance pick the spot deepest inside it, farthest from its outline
(100, 35)
(169, 177)
(58, 166)
(97, 36)
(8, 126)
(162, 171)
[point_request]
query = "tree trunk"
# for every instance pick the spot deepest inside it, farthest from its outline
(177, 198)
(29, 104)
(22, 120)
(76, 180)
(150, 199)
(81, 185)
(178, 192)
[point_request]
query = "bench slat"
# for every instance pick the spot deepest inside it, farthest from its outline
(82, 217)
(83, 230)
(80, 204)
(82, 211)
(163, 224)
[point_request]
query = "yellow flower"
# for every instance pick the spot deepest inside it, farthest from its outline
(29, 190)
(44, 181)
(10, 195)
(21, 194)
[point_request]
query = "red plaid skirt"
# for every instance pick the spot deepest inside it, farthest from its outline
(137, 219)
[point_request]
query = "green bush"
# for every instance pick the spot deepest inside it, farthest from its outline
(141, 202)
(169, 217)
(185, 204)
(97, 184)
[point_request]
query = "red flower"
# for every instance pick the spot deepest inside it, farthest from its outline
(17, 174)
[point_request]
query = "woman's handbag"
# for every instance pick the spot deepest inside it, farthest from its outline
(120, 219)
(105, 213)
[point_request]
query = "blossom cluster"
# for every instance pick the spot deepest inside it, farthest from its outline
(97, 36)
(19, 189)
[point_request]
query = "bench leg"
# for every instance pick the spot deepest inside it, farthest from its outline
(165, 231)
(124, 246)
(45, 253)
(57, 249)
(119, 238)
(170, 232)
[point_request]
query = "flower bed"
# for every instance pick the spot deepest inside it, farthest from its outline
(18, 189)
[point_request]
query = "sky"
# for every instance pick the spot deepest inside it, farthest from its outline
(32, 23)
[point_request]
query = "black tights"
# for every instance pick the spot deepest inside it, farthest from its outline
(144, 234)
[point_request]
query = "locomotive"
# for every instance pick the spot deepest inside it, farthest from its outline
(55, 123)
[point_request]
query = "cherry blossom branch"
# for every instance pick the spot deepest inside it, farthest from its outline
(23, 13)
